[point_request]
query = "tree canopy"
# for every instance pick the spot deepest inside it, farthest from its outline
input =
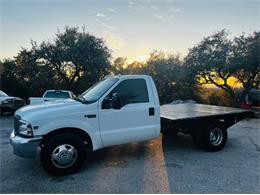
(167, 71)
(217, 58)
(75, 59)
(246, 57)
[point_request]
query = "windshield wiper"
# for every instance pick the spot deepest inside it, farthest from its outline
(82, 100)
(79, 99)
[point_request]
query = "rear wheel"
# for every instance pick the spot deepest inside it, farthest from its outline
(213, 138)
(63, 154)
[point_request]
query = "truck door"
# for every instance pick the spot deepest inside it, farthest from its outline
(135, 120)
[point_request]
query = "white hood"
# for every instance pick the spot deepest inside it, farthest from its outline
(51, 109)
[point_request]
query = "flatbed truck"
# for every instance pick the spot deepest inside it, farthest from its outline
(117, 110)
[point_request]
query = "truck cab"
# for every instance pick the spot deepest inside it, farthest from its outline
(116, 110)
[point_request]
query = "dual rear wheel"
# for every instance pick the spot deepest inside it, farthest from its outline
(212, 138)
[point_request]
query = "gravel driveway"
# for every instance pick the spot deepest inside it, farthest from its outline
(163, 165)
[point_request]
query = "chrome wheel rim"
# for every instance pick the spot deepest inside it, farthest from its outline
(216, 136)
(64, 156)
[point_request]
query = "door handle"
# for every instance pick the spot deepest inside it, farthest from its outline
(90, 116)
(151, 111)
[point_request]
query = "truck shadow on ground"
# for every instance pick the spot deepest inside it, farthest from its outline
(178, 142)
(137, 150)
(151, 163)
(119, 156)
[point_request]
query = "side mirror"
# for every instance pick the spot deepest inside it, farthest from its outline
(116, 101)
(107, 103)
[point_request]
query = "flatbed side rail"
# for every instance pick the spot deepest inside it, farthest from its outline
(187, 125)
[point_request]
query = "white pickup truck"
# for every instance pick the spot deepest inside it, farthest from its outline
(116, 110)
(51, 95)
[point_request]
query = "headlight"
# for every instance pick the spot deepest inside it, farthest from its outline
(25, 129)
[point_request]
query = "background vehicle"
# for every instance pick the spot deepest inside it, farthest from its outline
(51, 95)
(9, 103)
(254, 99)
(117, 110)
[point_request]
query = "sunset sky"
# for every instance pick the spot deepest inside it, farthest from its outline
(130, 28)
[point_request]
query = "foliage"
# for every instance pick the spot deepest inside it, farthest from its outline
(34, 76)
(9, 78)
(246, 56)
(76, 57)
(167, 72)
(217, 58)
(74, 61)
(215, 96)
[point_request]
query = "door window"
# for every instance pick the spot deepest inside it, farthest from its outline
(132, 91)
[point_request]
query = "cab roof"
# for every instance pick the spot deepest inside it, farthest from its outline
(127, 76)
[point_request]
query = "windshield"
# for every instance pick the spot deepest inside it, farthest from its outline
(96, 91)
(3, 94)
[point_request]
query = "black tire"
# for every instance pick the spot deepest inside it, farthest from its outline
(52, 145)
(203, 138)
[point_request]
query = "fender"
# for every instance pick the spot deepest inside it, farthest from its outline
(93, 131)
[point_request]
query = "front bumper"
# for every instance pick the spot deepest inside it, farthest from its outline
(24, 147)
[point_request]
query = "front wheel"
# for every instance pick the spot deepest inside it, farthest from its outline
(63, 154)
